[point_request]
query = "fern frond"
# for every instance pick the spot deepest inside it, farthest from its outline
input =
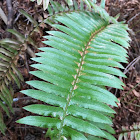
(76, 69)
(133, 133)
(29, 17)
(71, 3)
(2, 125)
(55, 8)
(9, 73)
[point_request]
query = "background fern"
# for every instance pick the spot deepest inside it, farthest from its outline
(133, 133)
(8, 73)
(76, 69)
(69, 2)
(54, 9)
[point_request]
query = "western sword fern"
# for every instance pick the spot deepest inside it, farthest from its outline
(9, 51)
(83, 59)
(133, 133)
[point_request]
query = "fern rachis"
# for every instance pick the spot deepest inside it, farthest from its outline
(78, 67)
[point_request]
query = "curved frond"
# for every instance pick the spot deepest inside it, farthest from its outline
(83, 59)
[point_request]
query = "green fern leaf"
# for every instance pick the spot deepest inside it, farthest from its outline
(76, 69)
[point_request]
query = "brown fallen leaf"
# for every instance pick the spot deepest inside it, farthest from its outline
(137, 94)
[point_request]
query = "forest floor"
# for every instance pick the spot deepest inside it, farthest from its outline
(128, 111)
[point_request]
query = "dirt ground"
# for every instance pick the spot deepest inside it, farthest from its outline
(128, 111)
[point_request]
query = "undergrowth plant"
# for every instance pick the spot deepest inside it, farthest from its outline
(132, 133)
(82, 59)
(45, 3)
(9, 74)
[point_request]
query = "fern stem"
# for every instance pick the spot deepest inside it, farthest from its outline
(70, 95)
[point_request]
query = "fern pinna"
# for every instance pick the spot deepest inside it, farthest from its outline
(83, 59)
